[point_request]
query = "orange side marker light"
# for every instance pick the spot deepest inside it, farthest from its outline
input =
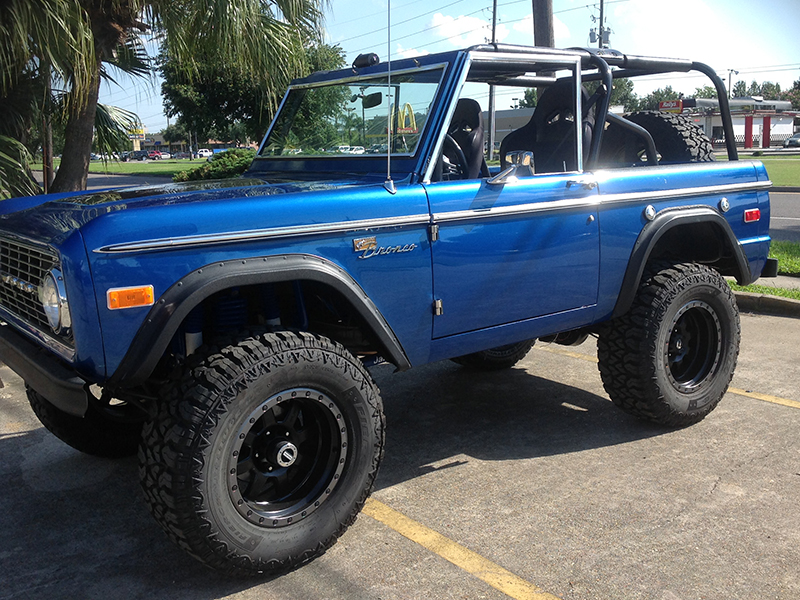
(130, 297)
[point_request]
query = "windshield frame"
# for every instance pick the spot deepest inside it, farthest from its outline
(349, 81)
(330, 166)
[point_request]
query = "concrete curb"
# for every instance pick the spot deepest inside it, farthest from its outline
(768, 305)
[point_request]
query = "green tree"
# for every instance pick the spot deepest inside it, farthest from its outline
(260, 39)
(622, 94)
(770, 90)
(651, 100)
(707, 91)
(173, 134)
(739, 89)
(528, 99)
(793, 95)
(215, 98)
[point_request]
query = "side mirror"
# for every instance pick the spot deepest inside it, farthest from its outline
(521, 166)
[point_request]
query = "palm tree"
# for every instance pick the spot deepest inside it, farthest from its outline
(41, 40)
(260, 38)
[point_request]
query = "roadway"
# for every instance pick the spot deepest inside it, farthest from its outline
(785, 216)
(525, 484)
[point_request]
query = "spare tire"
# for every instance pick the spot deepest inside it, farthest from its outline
(677, 140)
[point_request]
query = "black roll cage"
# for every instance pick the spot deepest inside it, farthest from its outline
(627, 66)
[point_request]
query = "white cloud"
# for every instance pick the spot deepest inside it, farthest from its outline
(463, 31)
(410, 52)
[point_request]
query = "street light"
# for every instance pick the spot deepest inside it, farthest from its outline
(731, 72)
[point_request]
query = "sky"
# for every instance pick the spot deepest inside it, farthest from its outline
(760, 40)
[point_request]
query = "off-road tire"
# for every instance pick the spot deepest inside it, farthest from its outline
(677, 140)
(671, 357)
(112, 435)
(496, 359)
(221, 486)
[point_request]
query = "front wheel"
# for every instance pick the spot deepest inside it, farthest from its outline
(264, 452)
(671, 357)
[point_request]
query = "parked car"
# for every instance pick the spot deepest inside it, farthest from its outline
(792, 141)
(165, 155)
(138, 155)
(182, 155)
(204, 153)
(154, 155)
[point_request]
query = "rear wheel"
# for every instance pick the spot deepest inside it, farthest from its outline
(496, 359)
(671, 357)
(264, 452)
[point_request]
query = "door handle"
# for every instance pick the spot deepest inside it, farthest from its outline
(586, 184)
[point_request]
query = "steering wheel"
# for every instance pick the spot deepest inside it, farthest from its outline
(452, 150)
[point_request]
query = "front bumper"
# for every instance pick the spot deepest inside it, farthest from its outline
(43, 372)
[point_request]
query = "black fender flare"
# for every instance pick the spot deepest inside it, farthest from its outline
(171, 308)
(654, 230)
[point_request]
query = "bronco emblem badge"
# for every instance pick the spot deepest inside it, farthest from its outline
(368, 247)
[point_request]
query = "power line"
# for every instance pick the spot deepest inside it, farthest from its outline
(401, 22)
(383, 12)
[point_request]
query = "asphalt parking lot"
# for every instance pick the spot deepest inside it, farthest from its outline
(527, 483)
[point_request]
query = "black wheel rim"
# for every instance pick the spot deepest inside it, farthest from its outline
(693, 347)
(287, 458)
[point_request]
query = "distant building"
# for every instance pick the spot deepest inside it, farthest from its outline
(757, 123)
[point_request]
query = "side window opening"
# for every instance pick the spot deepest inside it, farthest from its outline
(548, 135)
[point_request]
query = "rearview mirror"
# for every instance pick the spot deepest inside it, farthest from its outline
(372, 100)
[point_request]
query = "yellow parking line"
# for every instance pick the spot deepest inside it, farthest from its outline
(765, 397)
(738, 392)
(482, 568)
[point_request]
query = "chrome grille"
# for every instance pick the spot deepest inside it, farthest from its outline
(22, 268)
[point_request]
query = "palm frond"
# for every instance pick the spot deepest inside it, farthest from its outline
(111, 127)
(15, 170)
(130, 58)
(259, 38)
(54, 33)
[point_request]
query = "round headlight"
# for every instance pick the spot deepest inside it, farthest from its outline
(53, 297)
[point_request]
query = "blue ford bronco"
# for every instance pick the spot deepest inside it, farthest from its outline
(224, 330)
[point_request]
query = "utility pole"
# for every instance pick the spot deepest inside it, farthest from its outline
(491, 87)
(600, 37)
(543, 23)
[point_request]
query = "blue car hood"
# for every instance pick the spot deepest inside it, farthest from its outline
(51, 218)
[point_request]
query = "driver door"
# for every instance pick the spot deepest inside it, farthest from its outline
(507, 253)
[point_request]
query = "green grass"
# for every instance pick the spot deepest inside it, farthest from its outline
(166, 168)
(144, 167)
(782, 170)
(763, 289)
(788, 255)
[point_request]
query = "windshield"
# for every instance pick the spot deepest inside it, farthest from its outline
(352, 118)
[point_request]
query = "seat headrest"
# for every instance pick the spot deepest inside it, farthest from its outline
(468, 113)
